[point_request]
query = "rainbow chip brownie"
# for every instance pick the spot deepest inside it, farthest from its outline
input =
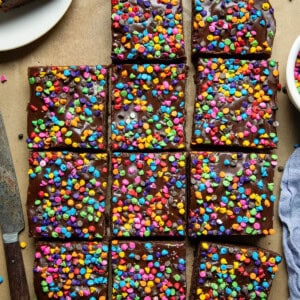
(71, 270)
(233, 28)
(147, 30)
(148, 107)
(67, 194)
(231, 194)
(148, 270)
(224, 271)
(235, 103)
(67, 107)
(149, 194)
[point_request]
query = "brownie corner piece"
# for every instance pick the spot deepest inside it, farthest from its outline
(148, 107)
(68, 107)
(66, 196)
(71, 270)
(231, 193)
(227, 271)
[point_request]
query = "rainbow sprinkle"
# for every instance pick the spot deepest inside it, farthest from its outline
(71, 270)
(148, 107)
(233, 27)
(148, 270)
(66, 194)
(3, 78)
(231, 194)
(233, 272)
(67, 107)
(297, 72)
(147, 30)
(149, 194)
(236, 103)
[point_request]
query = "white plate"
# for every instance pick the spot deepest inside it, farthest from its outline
(25, 24)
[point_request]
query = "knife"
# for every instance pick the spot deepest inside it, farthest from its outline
(11, 221)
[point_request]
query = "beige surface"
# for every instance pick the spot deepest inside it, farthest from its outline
(83, 37)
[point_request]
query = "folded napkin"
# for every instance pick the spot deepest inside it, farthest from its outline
(289, 213)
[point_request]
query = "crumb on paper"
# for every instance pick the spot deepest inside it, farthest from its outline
(23, 245)
(3, 78)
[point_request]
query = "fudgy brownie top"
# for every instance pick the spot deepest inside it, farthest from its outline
(233, 28)
(231, 194)
(149, 30)
(68, 107)
(224, 271)
(148, 107)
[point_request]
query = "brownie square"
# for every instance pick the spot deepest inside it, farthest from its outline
(67, 194)
(67, 107)
(72, 270)
(235, 103)
(149, 30)
(231, 194)
(148, 270)
(148, 107)
(233, 28)
(148, 195)
(225, 271)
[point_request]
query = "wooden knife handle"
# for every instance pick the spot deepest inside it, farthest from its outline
(16, 272)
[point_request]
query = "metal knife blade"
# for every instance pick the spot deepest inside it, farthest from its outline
(11, 220)
(11, 214)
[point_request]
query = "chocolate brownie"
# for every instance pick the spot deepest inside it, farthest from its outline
(149, 30)
(231, 194)
(71, 270)
(235, 103)
(148, 194)
(67, 194)
(67, 107)
(6, 5)
(233, 28)
(148, 107)
(148, 270)
(225, 271)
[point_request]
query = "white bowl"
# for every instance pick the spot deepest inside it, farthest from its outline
(293, 93)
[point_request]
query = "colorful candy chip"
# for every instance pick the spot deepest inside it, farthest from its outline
(148, 270)
(147, 30)
(224, 271)
(148, 107)
(67, 194)
(72, 270)
(148, 194)
(231, 194)
(67, 108)
(236, 103)
(233, 28)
